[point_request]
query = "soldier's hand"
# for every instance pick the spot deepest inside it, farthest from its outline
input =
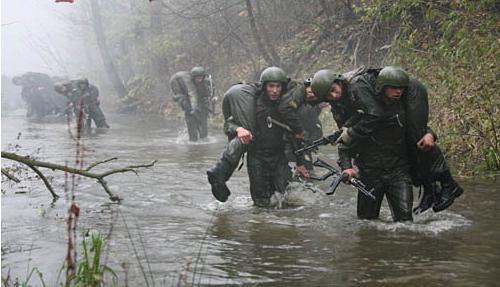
(426, 142)
(244, 135)
(345, 137)
(302, 171)
(350, 172)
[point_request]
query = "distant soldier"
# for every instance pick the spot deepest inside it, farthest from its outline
(191, 91)
(90, 95)
(84, 102)
(38, 93)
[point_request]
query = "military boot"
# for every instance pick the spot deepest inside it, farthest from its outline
(449, 191)
(217, 177)
(428, 198)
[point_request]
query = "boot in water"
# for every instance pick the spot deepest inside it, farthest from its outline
(217, 177)
(427, 201)
(449, 191)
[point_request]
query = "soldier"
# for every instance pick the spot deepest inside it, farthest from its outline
(309, 117)
(378, 97)
(83, 101)
(239, 109)
(38, 93)
(191, 92)
(267, 164)
(91, 103)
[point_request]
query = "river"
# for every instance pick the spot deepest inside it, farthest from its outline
(169, 226)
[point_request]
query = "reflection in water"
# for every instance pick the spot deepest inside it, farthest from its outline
(173, 219)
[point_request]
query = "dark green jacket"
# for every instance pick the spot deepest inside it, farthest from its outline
(379, 136)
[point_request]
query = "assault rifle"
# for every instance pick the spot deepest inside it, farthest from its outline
(340, 177)
(330, 139)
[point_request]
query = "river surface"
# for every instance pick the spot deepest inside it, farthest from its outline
(169, 226)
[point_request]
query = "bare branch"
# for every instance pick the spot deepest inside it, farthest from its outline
(10, 176)
(100, 162)
(33, 164)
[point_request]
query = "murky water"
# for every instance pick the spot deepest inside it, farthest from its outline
(169, 221)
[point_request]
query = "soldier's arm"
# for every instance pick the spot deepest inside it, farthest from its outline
(345, 156)
(288, 108)
(365, 120)
(230, 127)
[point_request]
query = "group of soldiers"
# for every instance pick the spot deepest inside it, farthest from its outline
(39, 95)
(384, 138)
(76, 98)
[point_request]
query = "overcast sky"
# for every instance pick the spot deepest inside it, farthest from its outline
(29, 29)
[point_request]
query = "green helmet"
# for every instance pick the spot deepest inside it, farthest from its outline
(83, 81)
(273, 74)
(322, 82)
(60, 88)
(392, 76)
(198, 72)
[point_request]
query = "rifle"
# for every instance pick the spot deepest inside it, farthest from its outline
(340, 177)
(330, 139)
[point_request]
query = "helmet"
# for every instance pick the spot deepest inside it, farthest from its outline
(322, 82)
(83, 81)
(17, 81)
(307, 82)
(392, 76)
(273, 74)
(198, 72)
(60, 88)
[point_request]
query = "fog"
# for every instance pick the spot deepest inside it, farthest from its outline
(39, 36)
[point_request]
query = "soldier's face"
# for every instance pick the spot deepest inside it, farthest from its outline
(335, 92)
(310, 95)
(273, 90)
(198, 79)
(393, 93)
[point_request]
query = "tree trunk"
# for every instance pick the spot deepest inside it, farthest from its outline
(256, 35)
(267, 41)
(109, 65)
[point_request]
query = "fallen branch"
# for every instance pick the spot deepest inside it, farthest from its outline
(34, 164)
(10, 176)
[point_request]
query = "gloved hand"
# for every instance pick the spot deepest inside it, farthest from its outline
(345, 137)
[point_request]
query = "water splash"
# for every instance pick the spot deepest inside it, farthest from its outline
(427, 223)
(182, 138)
